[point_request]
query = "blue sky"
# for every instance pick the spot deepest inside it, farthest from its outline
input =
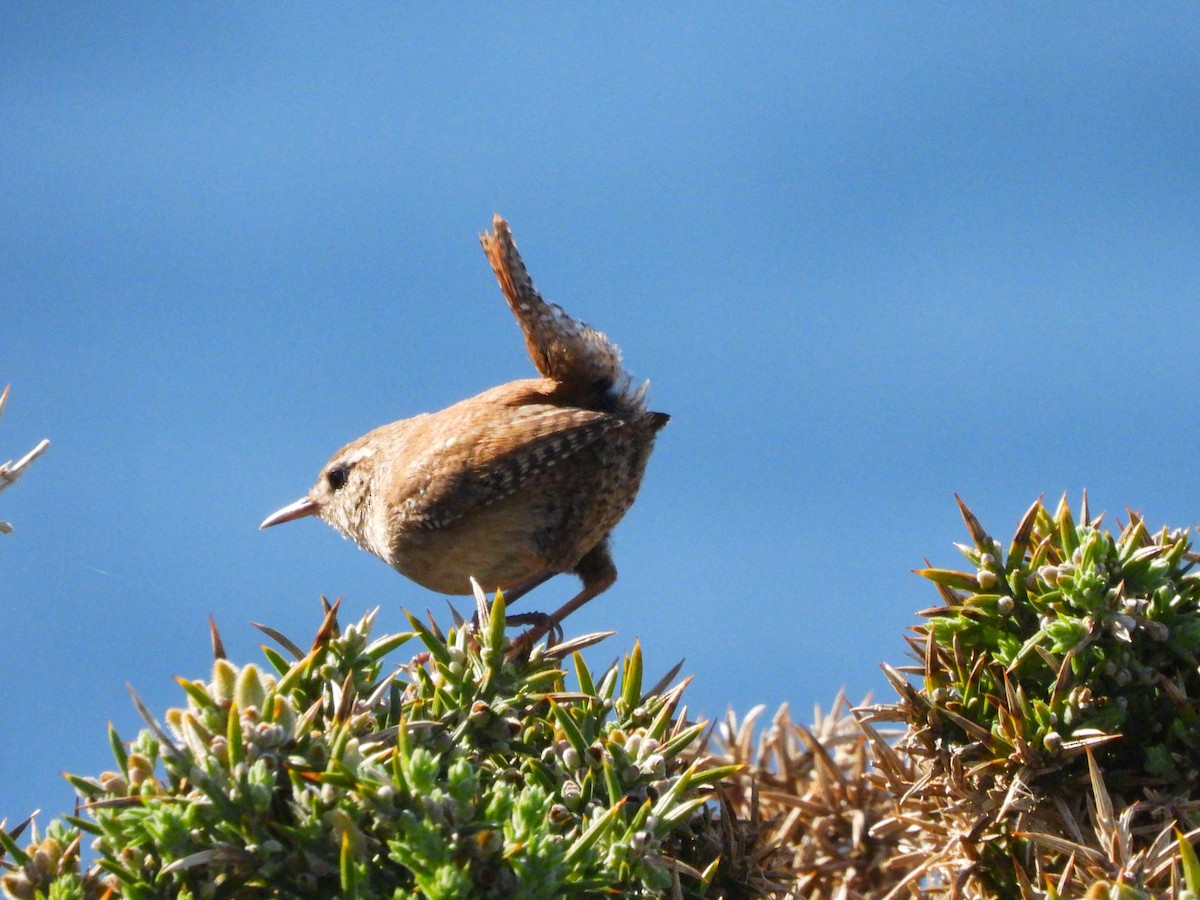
(868, 256)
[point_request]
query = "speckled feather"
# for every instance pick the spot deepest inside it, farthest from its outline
(563, 348)
(497, 456)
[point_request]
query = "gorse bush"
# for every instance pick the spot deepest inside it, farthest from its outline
(1046, 743)
(1087, 637)
(470, 771)
(1053, 735)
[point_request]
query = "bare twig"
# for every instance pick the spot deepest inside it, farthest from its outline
(10, 471)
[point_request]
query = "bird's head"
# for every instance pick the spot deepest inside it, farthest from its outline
(342, 496)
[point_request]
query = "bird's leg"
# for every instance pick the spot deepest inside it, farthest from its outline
(519, 590)
(597, 571)
(515, 593)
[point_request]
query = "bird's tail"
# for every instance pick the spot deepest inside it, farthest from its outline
(562, 347)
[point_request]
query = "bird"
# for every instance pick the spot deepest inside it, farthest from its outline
(510, 487)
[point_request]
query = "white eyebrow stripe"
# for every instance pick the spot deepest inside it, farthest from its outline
(360, 454)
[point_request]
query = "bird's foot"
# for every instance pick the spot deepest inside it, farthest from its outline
(542, 625)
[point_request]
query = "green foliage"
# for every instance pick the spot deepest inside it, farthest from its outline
(1076, 639)
(48, 869)
(469, 771)
(1059, 685)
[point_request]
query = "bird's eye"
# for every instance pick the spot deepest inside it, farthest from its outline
(337, 477)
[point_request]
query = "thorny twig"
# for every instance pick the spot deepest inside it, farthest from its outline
(10, 471)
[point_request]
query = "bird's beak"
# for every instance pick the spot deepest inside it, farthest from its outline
(305, 506)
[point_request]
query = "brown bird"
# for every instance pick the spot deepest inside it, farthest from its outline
(511, 486)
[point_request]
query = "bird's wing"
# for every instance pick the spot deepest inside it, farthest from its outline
(563, 348)
(506, 455)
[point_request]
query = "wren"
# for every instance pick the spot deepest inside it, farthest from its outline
(511, 486)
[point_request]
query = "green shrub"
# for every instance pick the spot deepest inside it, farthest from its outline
(469, 771)
(1054, 737)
